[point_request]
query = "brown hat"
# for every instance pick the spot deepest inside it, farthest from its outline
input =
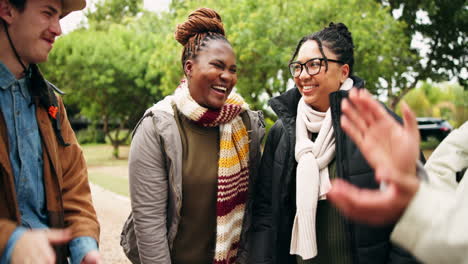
(69, 6)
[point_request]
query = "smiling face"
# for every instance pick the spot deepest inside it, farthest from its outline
(34, 29)
(212, 75)
(316, 89)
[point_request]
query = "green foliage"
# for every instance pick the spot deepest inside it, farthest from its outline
(127, 59)
(90, 135)
(418, 102)
(446, 34)
(105, 72)
(264, 35)
(109, 12)
(444, 100)
(460, 102)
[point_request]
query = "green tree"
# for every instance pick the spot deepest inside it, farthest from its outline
(108, 12)
(445, 100)
(264, 35)
(460, 101)
(445, 32)
(418, 102)
(106, 74)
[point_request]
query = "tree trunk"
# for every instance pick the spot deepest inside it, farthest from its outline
(115, 151)
(394, 99)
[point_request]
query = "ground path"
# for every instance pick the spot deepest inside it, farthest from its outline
(112, 211)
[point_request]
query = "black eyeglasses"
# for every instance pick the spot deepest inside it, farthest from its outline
(312, 66)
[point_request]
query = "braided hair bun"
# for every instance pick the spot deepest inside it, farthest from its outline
(200, 21)
(343, 31)
(337, 38)
(203, 25)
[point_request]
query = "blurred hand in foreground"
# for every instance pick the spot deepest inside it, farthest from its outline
(390, 148)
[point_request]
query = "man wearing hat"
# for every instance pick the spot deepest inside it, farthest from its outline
(46, 211)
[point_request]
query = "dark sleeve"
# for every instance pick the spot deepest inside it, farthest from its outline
(261, 243)
(398, 118)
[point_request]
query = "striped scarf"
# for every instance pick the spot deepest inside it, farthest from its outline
(233, 169)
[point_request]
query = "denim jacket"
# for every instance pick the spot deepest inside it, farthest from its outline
(24, 145)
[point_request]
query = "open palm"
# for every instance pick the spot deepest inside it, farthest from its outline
(383, 141)
(390, 148)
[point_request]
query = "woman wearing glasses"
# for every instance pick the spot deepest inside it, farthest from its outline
(293, 222)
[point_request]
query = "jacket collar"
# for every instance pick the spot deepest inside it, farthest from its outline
(6, 77)
(285, 105)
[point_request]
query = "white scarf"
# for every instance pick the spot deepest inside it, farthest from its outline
(312, 179)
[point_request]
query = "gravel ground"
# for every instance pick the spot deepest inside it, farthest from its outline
(112, 211)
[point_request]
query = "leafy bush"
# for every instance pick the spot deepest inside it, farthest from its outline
(91, 135)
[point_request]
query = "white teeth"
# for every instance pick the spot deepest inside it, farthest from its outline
(308, 87)
(220, 88)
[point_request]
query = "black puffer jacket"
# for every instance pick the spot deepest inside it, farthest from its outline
(275, 190)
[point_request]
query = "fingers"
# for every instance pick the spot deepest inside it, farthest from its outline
(58, 236)
(353, 132)
(405, 184)
(352, 120)
(410, 123)
(369, 108)
(363, 111)
(342, 196)
(49, 254)
(372, 106)
(352, 113)
(93, 257)
(356, 96)
(367, 206)
(33, 247)
(353, 198)
(382, 173)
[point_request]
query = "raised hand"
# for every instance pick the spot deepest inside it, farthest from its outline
(390, 148)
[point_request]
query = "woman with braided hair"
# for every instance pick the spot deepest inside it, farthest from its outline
(293, 221)
(193, 156)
